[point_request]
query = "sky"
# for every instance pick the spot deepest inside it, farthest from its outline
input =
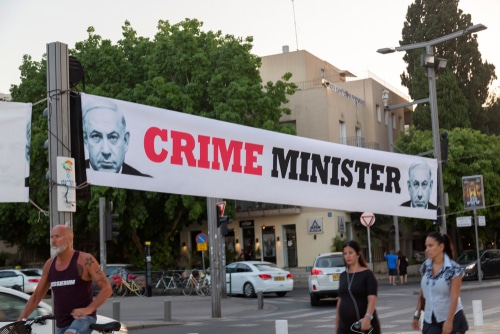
(344, 33)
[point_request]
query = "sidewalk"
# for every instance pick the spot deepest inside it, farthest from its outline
(144, 312)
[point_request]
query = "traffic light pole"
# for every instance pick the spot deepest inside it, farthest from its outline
(58, 123)
(102, 232)
(213, 242)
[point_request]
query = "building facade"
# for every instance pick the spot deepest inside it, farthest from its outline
(330, 105)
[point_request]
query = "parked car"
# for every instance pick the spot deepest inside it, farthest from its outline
(22, 280)
(12, 303)
(38, 270)
(324, 277)
(490, 263)
(249, 277)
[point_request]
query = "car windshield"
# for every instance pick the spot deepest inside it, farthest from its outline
(330, 262)
(30, 272)
(267, 266)
(467, 256)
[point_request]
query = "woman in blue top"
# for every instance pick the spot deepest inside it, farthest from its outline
(439, 295)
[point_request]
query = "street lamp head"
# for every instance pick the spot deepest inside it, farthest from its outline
(476, 28)
(386, 50)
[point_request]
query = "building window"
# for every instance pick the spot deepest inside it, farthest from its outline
(359, 139)
(394, 122)
(379, 114)
(386, 116)
(343, 133)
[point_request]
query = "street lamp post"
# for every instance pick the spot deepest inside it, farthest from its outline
(385, 99)
(431, 75)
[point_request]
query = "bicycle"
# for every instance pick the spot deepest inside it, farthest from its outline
(205, 286)
(171, 284)
(124, 284)
(24, 326)
(196, 282)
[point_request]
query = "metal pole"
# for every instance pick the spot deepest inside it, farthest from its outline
(431, 75)
(213, 242)
(59, 129)
(102, 233)
(222, 270)
(391, 149)
(369, 249)
(116, 310)
(167, 311)
(479, 278)
(58, 123)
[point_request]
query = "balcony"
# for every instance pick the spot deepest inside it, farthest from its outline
(245, 209)
(359, 142)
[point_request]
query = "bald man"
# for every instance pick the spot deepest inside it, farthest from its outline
(69, 273)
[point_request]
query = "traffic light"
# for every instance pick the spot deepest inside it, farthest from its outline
(222, 222)
(111, 225)
(77, 149)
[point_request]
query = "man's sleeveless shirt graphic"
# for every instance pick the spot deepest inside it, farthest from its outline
(69, 290)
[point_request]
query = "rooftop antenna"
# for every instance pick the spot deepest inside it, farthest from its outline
(295, 23)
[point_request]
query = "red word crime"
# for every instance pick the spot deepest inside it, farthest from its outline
(183, 146)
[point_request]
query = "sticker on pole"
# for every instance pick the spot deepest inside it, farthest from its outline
(368, 219)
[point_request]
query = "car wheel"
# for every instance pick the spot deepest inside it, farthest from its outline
(281, 294)
(17, 287)
(248, 290)
(314, 300)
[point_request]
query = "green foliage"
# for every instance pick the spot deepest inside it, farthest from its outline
(337, 244)
(470, 153)
(4, 257)
(182, 68)
(462, 88)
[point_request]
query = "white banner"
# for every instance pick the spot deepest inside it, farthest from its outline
(15, 128)
(134, 146)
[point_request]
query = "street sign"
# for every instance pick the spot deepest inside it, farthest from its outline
(464, 221)
(201, 246)
(368, 219)
(481, 221)
(201, 238)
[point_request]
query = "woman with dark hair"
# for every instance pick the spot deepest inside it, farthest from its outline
(439, 295)
(357, 296)
(403, 267)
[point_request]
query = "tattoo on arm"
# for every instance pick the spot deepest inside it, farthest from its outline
(89, 261)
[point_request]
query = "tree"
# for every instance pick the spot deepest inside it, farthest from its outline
(470, 153)
(462, 88)
(183, 69)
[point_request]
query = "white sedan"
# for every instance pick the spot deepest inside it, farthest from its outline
(12, 303)
(23, 280)
(250, 277)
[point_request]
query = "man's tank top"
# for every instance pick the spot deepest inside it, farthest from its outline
(69, 291)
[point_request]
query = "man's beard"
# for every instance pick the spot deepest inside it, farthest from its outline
(54, 250)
